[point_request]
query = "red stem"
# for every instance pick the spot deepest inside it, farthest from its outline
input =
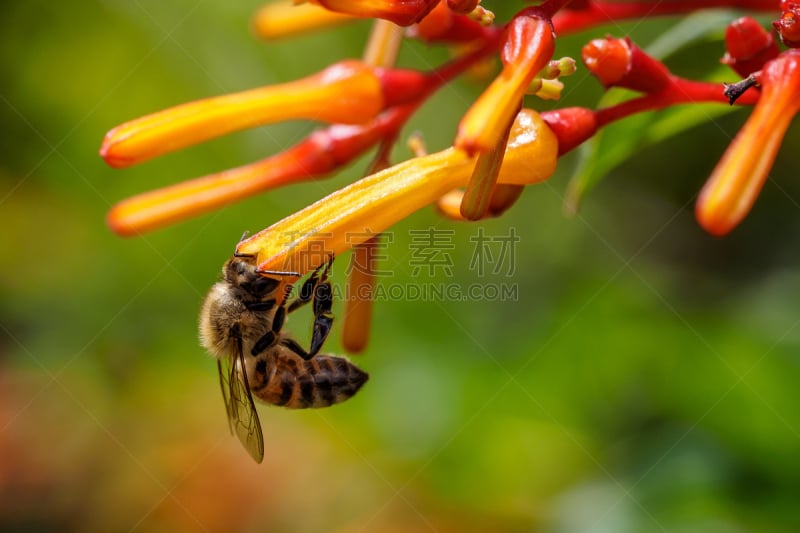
(595, 13)
(680, 91)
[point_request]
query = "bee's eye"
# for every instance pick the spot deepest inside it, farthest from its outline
(262, 286)
(234, 269)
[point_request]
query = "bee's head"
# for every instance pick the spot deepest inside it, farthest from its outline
(241, 272)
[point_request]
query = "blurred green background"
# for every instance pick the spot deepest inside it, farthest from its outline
(644, 380)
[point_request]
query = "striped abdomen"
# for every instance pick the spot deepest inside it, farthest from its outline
(284, 378)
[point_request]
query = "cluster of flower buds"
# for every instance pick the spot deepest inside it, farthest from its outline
(499, 145)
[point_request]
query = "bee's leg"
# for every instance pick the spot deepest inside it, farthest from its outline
(296, 348)
(270, 338)
(323, 317)
(319, 288)
(309, 287)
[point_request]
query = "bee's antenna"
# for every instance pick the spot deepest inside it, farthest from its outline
(235, 250)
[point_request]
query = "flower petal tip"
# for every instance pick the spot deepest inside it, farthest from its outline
(111, 153)
(713, 221)
(116, 221)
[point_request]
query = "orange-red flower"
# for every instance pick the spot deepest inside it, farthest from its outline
(319, 154)
(528, 48)
(376, 202)
(485, 127)
(286, 18)
(735, 183)
(368, 102)
(401, 12)
(354, 86)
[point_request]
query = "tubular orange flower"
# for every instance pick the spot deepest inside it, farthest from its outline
(383, 45)
(401, 12)
(502, 198)
(378, 201)
(478, 193)
(322, 152)
(497, 148)
(158, 208)
(354, 87)
(399, 91)
(358, 307)
(374, 101)
(282, 19)
(528, 48)
(735, 183)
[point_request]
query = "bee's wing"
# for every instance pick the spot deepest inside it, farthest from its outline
(242, 415)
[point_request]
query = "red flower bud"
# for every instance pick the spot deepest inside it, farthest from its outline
(748, 46)
(620, 63)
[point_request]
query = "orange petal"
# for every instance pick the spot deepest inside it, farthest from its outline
(283, 19)
(736, 181)
(529, 47)
(360, 291)
(484, 177)
(401, 12)
(318, 154)
(449, 205)
(351, 85)
(384, 44)
(155, 209)
(503, 197)
(378, 201)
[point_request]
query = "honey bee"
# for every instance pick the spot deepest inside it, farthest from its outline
(241, 325)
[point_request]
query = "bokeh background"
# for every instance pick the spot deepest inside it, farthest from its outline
(646, 379)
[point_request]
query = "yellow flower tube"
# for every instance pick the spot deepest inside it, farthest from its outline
(283, 19)
(376, 202)
(401, 12)
(352, 85)
(736, 181)
(528, 48)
